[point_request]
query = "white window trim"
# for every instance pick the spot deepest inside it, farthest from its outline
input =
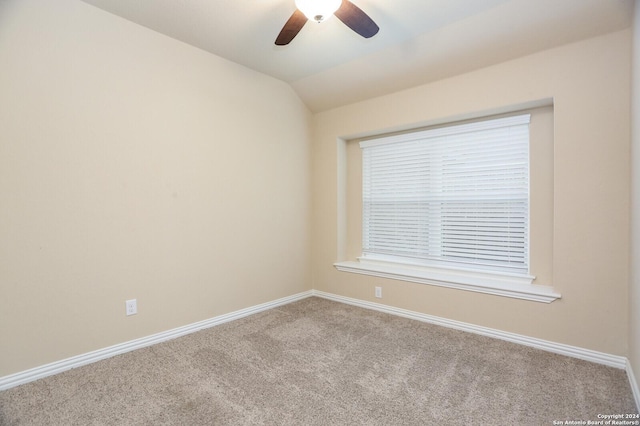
(517, 285)
(499, 284)
(399, 150)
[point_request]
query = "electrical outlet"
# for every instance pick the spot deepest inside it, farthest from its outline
(132, 306)
(379, 292)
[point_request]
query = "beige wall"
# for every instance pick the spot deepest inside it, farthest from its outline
(589, 84)
(135, 166)
(131, 166)
(634, 282)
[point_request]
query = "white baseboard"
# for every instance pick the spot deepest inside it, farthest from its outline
(23, 377)
(36, 373)
(634, 384)
(558, 348)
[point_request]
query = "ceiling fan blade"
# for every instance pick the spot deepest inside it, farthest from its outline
(291, 28)
(354, 18)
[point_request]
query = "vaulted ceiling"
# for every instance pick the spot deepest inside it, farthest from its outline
(329, 65)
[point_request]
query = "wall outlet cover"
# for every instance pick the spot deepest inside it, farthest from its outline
(132, 306)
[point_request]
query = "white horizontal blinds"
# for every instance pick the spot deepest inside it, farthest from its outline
(455, 195)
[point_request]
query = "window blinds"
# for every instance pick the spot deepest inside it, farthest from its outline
(455, 196)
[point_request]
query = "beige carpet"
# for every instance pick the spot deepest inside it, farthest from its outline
(318, 362)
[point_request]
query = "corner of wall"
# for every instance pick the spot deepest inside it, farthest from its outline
(634, 261)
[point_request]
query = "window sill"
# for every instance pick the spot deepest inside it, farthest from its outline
(489, 283)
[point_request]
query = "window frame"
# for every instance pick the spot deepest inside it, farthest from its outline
(499, 282)
(455, 196)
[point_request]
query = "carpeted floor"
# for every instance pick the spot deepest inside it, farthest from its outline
(318, 362)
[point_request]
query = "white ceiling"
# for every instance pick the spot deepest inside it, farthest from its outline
(329, 65)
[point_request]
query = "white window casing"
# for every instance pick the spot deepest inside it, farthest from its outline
(450, 206)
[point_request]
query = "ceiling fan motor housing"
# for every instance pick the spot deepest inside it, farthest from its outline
(318, 10)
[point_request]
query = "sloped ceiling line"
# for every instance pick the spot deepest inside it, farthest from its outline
(419, 40)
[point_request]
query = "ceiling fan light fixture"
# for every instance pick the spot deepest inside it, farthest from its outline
(318, 10)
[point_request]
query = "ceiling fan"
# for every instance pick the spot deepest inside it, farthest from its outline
(320, 10)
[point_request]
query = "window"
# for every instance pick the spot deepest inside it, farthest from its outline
(450, 206)
(456, 196)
